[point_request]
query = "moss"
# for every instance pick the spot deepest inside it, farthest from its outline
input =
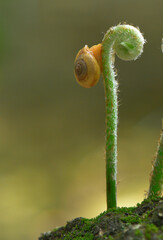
(150, 199)
(138, 233)
(75, 236)
(129, 210)
(131, 219)
(150, 230)
(110, 238)
(141, 222)
(160, 236)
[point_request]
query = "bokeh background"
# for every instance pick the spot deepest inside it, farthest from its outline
(52, 144)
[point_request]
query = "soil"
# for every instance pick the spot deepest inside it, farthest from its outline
(145, 221)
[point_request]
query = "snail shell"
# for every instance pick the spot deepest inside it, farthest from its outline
(87, 70)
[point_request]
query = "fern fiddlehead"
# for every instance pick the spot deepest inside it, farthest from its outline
(127, 42)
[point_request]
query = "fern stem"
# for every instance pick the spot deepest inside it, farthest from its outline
(156, 183)
(127, 42)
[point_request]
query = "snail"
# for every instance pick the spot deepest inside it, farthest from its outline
(88, 66)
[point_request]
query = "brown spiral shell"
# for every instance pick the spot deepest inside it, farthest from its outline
(87, 70)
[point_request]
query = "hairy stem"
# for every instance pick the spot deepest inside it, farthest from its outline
(127, 42)
(156, 183)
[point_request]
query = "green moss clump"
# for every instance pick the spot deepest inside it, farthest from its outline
(138, 233)
(110, 238)
(131, 219)
(150, 230)
(143, 222)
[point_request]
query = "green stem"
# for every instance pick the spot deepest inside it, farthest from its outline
(156, 182)
(127, 42)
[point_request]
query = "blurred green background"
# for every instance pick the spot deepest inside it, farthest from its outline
(52, 131)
